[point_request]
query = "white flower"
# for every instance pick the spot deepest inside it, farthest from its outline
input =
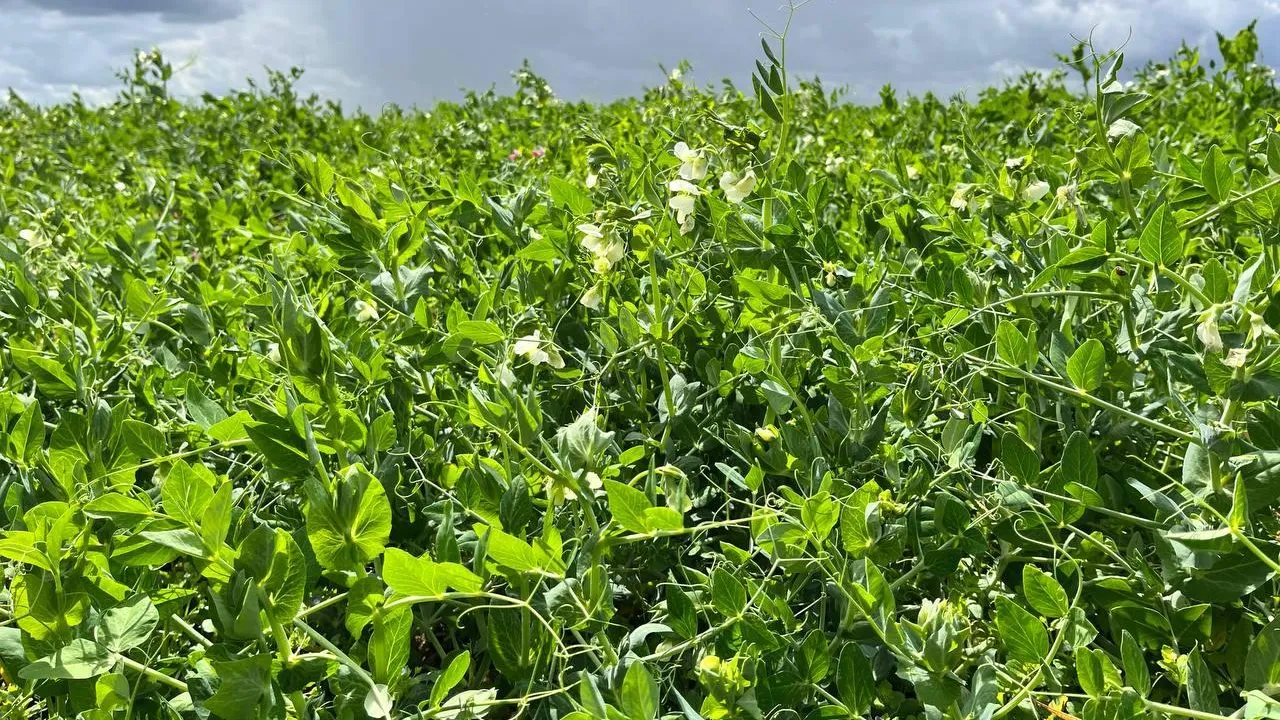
(737, 189)
(960, 198)
(675, 74)
(683, 202)
(34, 238)
(913, 172)
(273, 352)
(378, 702)
(1065, 193)
(1014, 162)
(591, 298)
(592, 180)
(538, 351)
(1035, 191)
(119, 186)
(694, 165)
(365, 312)
(606, 249)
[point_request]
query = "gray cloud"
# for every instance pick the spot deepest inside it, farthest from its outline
(174, 10)
(414, 52)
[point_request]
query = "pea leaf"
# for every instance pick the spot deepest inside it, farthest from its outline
(128, 625)
(1023, 635)
(1043, 592)
(1161, 241)
(1087, 366)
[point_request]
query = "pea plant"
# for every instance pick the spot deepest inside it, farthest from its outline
(708, 404)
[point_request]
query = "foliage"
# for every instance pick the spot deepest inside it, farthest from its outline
(707, 403)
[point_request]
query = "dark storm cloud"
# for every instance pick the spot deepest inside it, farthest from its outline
(414, 52)
(175, 10)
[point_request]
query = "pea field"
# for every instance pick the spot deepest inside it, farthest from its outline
(714, 403)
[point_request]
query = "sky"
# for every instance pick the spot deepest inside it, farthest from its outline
(415, 52)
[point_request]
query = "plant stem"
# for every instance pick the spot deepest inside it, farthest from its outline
(153, 674)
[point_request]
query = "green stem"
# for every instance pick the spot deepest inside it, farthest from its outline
(1185, 712)
(153, 674)
(1211, 212)
(1080, 395)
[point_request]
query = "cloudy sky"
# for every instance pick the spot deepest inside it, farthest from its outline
(369, 52)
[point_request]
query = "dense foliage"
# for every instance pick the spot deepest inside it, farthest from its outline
(703, 404)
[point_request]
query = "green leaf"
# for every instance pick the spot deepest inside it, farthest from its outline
(1011, 345)
(1262, 664)
(128, 625)
(20, 545)
(813, 658)
(540, 250)
(274, 560)
(241, 684)
(407, 575)
(1217, 285)
(1216, 175)
(1043, 592)
(77, 660)
(1089, 672)
(449, 678)
(144, 439)
(1022, 462)
(350, 527)
(1079, 464)
(681, 615)
(27, 437)
(1022, 633)
(205, 412)
(481, 332)
(217, 519)
(1135, 664)
(510, 551)
(1161, 241)
(184, 541)
(1087, 366)
(855, 681)
(639, 695)
(628, 506)
(857, 535)
(389, 644)
(1086, 257)
(186, 492)
(728, 594)
(1202, 688)
(569, 195)
(121, 509)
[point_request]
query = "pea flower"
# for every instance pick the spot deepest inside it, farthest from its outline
(737, 189)
(694, 165)
(538, 351)
(607, 249)
(1035, 191)
(591, 298)
(365, 312)
(538, 152)
(961, 198)
(683, 202)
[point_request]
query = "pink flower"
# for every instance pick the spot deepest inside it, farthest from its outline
(515, 154)
(539, 151)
